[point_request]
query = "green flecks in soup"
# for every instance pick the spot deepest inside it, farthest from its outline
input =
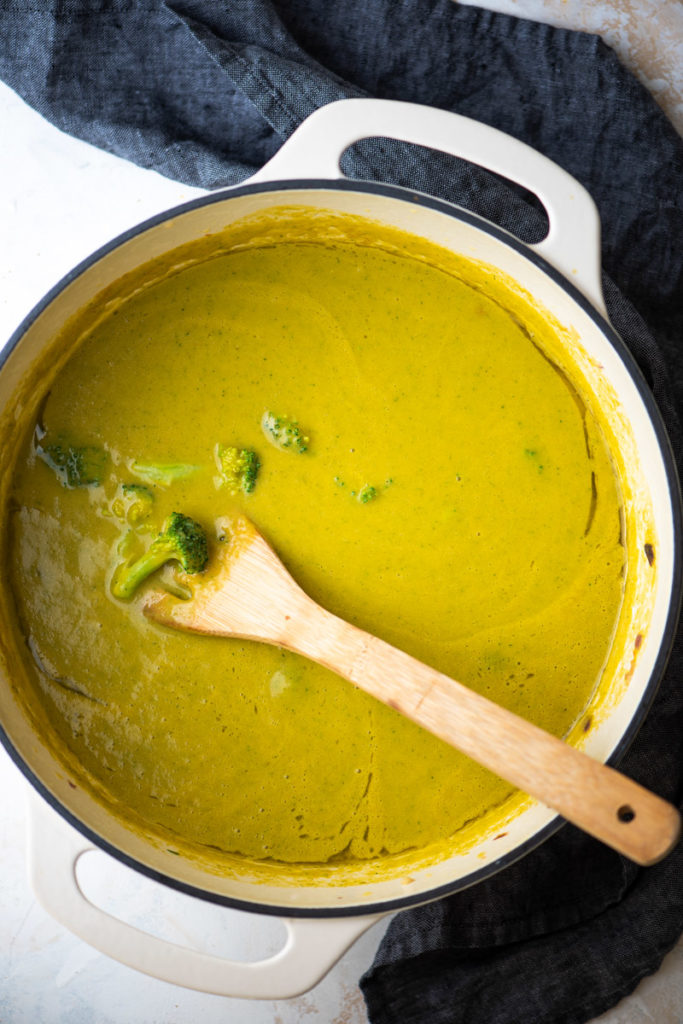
(454, 495)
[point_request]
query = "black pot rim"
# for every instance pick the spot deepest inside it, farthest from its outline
(668, 637)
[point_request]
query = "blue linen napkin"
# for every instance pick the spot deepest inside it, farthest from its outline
(205, 92)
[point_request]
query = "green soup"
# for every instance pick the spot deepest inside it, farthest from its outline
(456, 497)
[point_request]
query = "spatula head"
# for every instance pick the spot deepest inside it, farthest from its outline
(245, 592)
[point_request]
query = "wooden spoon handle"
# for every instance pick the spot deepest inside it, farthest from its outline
(598, 799)
(253, 596)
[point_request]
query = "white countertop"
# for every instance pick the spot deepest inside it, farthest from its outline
(60, 200)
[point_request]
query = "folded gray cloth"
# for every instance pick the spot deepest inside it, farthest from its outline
(205, 92)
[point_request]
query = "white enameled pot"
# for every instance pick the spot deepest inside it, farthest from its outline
(562, 273)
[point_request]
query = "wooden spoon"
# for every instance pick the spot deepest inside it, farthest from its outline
(248, 593)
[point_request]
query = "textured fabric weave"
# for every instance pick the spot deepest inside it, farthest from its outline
(205, 92)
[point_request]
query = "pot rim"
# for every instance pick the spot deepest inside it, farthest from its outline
(417, 198)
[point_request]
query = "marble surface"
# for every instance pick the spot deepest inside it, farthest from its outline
(60, 199)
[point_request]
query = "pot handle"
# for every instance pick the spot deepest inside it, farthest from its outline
(312, 948)
(572, 244)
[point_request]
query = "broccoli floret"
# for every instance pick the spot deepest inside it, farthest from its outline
(181, 540)
(133, 504)
(284, 433)
(367, 493)
(238, 468)
(163, 474)
(76, 465)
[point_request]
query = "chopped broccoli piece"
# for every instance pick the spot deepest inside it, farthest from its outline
(133, 504)
(284, 433)
(366, 494)
(163, 474)
(238, 468)
(75, 465)
(182, 540)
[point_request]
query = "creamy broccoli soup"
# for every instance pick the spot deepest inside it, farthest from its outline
(404, 431)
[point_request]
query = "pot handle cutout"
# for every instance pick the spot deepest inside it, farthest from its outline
(572, 244)
(312, 948)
